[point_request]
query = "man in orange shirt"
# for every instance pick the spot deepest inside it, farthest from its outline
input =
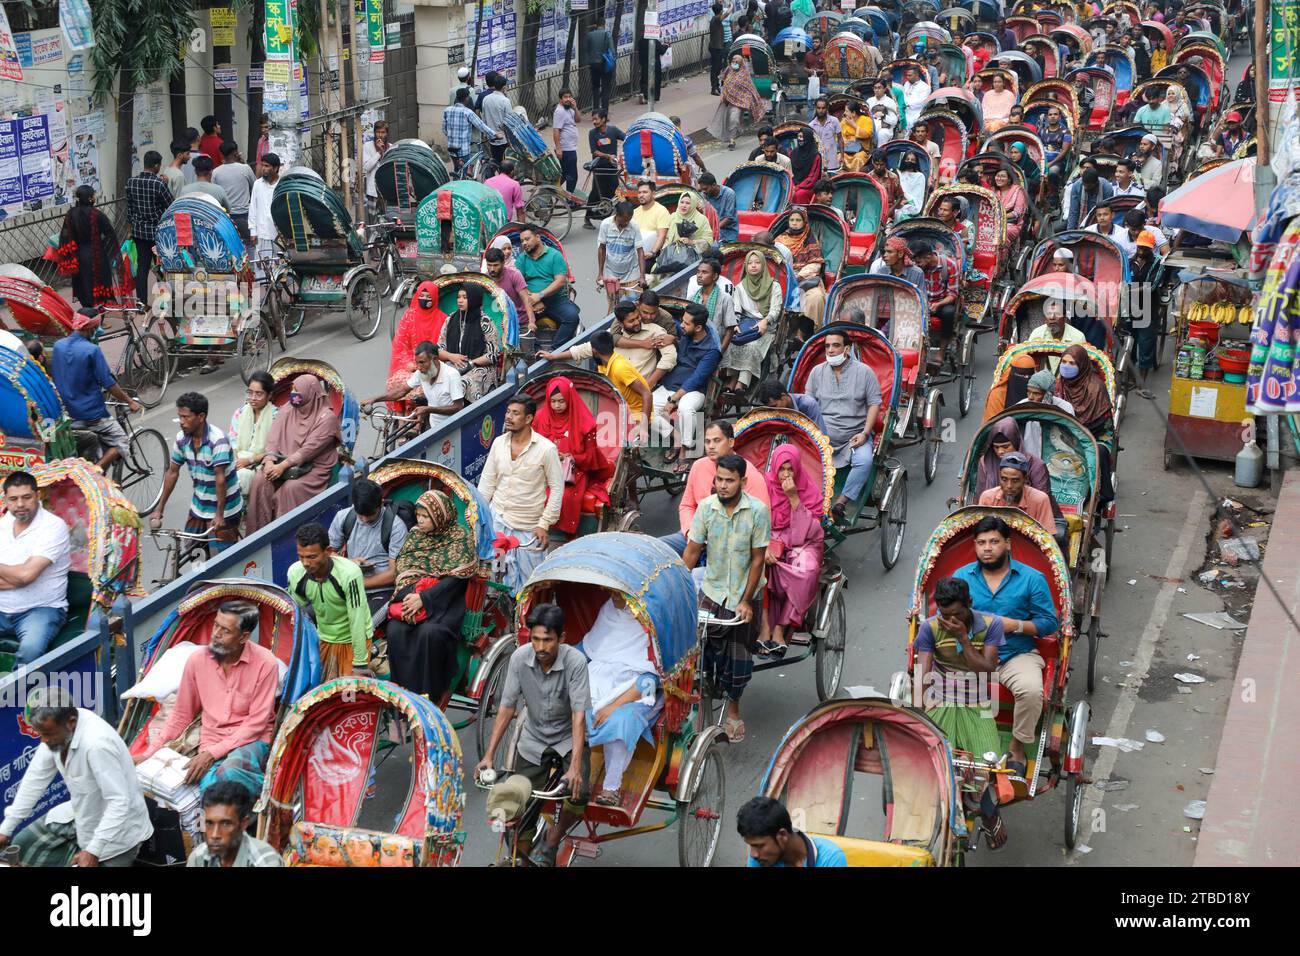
(719, 440)
(1012, 491)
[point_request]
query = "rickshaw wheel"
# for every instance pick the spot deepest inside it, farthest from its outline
(147, 455)
(965, 388)
(830, 651)
(147, 369)
(1094, 649)
(1110, 541)
(931, 439)
(549, 209)
(365, 307)
(294, 317)
(489, 703)
(1074, 794)
(277, 312)
(699, 823)
(892, 525)
(253, 346)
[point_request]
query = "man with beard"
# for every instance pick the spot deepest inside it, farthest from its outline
(231, 688)
(227, 812)
(260, 224)
(443, 393)
(1012, 491)
(1020, 597)
(641, 336)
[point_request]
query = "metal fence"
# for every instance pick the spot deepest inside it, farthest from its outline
(23, 238)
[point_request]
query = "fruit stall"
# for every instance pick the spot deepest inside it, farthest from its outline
(1207, 397)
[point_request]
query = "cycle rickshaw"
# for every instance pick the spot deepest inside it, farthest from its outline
(987, 264)
(679, 770)
(763, 190)
(341, 399)
(454, 225)
(408, 171)
(846, 61)
(654, 149)
(865, 206)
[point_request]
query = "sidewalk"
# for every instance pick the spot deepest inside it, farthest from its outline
(1249, 819)
(688, 98)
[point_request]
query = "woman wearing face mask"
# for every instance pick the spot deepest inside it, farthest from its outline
(469, 341)
(1081, 384)
(300, 454)
(738, 93)
(422, 322)
(88, 249)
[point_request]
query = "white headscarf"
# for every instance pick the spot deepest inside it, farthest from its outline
(617, 652)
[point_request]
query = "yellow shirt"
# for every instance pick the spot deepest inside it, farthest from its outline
(864, 131)
(622, 373)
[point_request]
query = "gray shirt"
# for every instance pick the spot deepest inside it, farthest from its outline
(597, 42)
(552, 699)
(562, 119)
(210, 189)
(496, 107)
(366, 542)
(844, 400)
(237, 180)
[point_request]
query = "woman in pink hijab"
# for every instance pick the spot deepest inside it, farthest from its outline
(794, 556)
(301, 451)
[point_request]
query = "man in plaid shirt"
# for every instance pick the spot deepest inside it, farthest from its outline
(456, 122)
(147, 198)
(940, 289)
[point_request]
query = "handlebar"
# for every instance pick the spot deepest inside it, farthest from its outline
(490, 777)
(381, 414)
(708, 620)
(181, 535)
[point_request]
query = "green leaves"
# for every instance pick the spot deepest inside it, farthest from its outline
(137, 42)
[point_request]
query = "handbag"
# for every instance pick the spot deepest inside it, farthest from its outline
(746, 330)
(395, 606)
(570, 468)
(676, 256)
(607, 58)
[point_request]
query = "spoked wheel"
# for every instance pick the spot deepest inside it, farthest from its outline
(488, 705)
(548, 208)
(277, 312)
(830, 650)
(892, 524)
(147, 369)
(365, 307)
(1110, 541)
(699, 820)
(253, 347)
(965, 388)
(140, 473)
(931, 439)
(388, 273)
(1094, 649)
(1074, 793)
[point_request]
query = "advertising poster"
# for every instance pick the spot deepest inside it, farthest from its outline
(11, 178)
(1284, 52)
(279, 31)
(86, 132)
(10, 67)
(223, 26)
(375, 23)
(74, 17)
(34, 155)
(47, 49)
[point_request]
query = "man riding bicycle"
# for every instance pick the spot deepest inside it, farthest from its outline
(82, 376)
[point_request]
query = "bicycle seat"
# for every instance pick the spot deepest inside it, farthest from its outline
(589, 165)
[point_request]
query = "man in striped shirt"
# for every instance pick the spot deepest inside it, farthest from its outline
(204, 449)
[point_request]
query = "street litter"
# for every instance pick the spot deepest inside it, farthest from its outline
(1132, 581)
(1117, 783)
(1123, 743)
(1234, 550)
(1182, 590)
(1206, 770)
(1125, 663)
(1219, 620)
(1084, 848)
(1155, 736)
(1126, 807)
(1195, 810)
(1206, 577)
(1193, 657)
(1190, 678)
(1184, 690)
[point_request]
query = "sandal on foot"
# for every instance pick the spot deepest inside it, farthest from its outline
(995, 837)
(1146, 393)
(777, 650)
(734, 729)
(609, 798)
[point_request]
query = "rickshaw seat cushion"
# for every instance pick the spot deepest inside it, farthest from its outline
(325, 259)
(592, 505)
(80, 591)
(1049, 647)
(860, 245)
(306, 836)
(875, 853)
(911, 360)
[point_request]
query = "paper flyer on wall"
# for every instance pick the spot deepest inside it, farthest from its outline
(10, 65)
(11, 180)
(34, 155)
(74, 17)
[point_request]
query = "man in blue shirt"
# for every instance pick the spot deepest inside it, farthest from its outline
(764, 824)
(82, 376)
(1020, 596)
(457, 121)
(772, 394)
(683, 389)
(723, 200)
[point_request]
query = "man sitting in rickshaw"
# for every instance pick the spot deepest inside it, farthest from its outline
(1057, 143)
(896, 260)
(1021, 599)
(643, 334)
(1014, 491)
(719, 440)
(547, 276)
(949, 212)
(764, 824)
(1056, 329)
(959, 643)
(681, 393)
(849, 396)
(940, 289)
(772, 394)
(552, 679)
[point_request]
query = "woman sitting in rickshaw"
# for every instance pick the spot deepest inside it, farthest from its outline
(1012, 391)
(756, 295)
(565, 419)
(997, 104)
(959, 643)
(432, 570)
(1014, 201)
(806, 166)
(1039, 390)
(1082, 385)
(469, 341)
(806, 255)
(913, 182)
(699, 234)
(1005, 439)
(794, 556)
(301, 452)
(625, 698)
(422, 322)
(1020, 156)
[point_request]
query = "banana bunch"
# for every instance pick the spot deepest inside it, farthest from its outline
(1220, 313)
(1246, 315)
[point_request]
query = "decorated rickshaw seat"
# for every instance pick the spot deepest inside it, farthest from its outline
(873, 853)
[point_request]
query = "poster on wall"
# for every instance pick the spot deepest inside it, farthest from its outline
(86, 133)
(47, 49)
(223, 26)
(279, 31)
(34, 156)
(10, 65)
(74, 17)
(375, 25)
(11, 178)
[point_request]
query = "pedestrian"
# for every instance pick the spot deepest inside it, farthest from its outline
(147, 198)
(600, 64)
(738, 93)
(215, 502)
(211, 141)
(620, 256)
(496, 107)
(173, 173)
(236, 177)
(88, 250)
(657, 50)
(504, 182)
(372, 152)
(457, 121)
(203, 184)
(564, 122)
(261, 225)
(263, 138)
(717, 49)
(193, 137)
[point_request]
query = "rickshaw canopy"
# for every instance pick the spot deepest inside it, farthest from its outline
(408, 172)
(889, 304)
(29, 403)
(308, 214)
(760, 432)
(196, 234)
(36, 308)
(460, 217)
(1069, 452)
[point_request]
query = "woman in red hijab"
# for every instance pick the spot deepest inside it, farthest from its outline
(422, 323)
(565, 419)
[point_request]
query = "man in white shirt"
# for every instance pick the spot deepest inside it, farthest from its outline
(444, 394)
(523, 482)
(260, 224)
(106, 820)
(915, 92)
(34, 564)
(372, 152)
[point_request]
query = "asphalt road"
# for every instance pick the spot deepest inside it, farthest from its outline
(1165, 516)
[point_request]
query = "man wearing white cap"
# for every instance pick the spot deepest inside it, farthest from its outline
(1150, 168)
(1063, 260)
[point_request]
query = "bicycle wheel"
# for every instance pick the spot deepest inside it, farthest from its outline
(141, 471)
(548, 208)
(146, 369)
(365, 307)
(253, 346)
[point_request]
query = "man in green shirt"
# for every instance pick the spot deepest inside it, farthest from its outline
(333, 589)
(1156, 115)
(547, 276)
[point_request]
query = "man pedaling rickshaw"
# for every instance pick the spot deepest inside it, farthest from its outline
(940, 290)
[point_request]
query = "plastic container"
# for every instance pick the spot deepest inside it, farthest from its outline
(1207, 332)
(1233, 360)
(1249, 466)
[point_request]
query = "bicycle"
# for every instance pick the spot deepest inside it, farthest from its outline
(530, 821)
(139, 471)
(143, 367)
(551, 206)
(280, 288)
(381, 248)
(176, 557)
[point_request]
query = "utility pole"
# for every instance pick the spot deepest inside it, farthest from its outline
(651, 31)
(344, 89)
(358, 131)
(1264, 178)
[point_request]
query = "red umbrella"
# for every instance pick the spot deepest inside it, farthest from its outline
(1219, 204)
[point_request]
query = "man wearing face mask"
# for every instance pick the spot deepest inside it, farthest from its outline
(231, 688)
(106, 820)
(849, 396)
(1019, 595)
(260, 224)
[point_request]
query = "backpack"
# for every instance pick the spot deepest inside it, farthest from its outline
(400, 509)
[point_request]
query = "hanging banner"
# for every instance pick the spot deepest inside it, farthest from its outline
(1284, 53)
(375, 17)
(11, 173)
(279, 31)
(10, 66)
(74, 17)
(223, 26)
